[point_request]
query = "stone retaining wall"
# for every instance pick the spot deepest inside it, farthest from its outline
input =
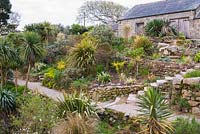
(111, 92)
(160, 68)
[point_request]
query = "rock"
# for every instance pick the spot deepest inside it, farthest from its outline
(198, 98)
(140, 93)
(191, 81)
(153, 84)
(177, 80)
(131, 98)
(161, 82)
(183, 73)
(160, 45)
(193, 103)
(190, 70)
(195, 110)
(197, 66)
(186, 93)
(169, 78)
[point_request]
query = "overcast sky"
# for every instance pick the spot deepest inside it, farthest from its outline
(56, 11)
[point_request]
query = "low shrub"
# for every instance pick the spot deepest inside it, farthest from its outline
(80, 84)
(197, 58)
(76, 103)
(103, 77)
(99, 68)
(195, 73)
(145, 43)
(36, 115)
(183, 104)
(185, 126)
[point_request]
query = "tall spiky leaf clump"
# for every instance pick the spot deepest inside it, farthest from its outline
(7, 101)
(7, 58)
(83, 55)
(154, 112)
(76, 103)
(154, 27)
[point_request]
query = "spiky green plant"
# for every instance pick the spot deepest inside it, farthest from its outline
(7, 58)
(103, 77)
(76, 103)
(83, 55)
(7, 101)
(154, 112)
(154, 27)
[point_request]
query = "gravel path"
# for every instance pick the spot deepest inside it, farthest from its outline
(37, 86)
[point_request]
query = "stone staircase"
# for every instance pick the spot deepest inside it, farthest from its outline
(128, 105)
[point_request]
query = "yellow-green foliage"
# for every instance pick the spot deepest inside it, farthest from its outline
(118, 66)
(61, 65)
(143, 42)
(197, 57)
(83, 55)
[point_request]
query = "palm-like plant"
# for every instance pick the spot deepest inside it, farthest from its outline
(32, 50)
(83, 55)
(154, 112)
(7, 58)
(16, 41)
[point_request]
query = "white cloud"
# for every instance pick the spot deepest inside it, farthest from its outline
(56, 11)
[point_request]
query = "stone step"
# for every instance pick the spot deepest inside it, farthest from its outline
(132, 98)
(140, 93)
(161, 82)
(168, 78)
(154, 85)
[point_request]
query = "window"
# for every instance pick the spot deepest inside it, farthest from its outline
(139, 28)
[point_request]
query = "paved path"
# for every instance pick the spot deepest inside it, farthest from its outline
(37, 86)
(131, 109)
(120, 104)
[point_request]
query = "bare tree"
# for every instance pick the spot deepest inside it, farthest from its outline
(100, 11)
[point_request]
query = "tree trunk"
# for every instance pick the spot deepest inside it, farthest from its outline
(27, 77)
(2, 78)
(16, 77)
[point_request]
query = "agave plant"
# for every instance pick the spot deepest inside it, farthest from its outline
(154, 112)
(76, 103)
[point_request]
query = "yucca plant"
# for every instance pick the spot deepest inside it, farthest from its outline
(103, 77)
(76, 103)
(7, 101)
(154, 112)
(83, 55)
(7, 106)
(154, 27)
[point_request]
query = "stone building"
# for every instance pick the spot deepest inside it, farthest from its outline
(184, 15)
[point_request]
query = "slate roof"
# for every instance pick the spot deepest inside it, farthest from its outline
(161, 7)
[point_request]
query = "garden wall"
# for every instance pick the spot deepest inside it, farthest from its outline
(111, 92)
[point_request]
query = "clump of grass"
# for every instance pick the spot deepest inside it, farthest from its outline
(185, 126)
(195, 73)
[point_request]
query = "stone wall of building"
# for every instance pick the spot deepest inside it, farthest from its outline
(194, 23)
(195, 29)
